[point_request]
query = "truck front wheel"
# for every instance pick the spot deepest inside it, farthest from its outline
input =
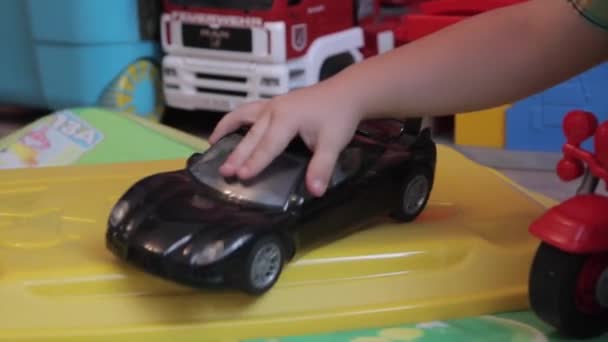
(334, 64)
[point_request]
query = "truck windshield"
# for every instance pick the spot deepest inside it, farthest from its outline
(248, 5)
(271, 188)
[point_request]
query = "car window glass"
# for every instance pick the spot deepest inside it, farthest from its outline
(272, 187)
(221, 150)
(347, 165)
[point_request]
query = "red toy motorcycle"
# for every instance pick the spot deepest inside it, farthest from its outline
(568, 285)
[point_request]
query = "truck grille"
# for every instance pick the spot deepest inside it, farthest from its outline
(222, 91)
(223, 38)
(204, 76)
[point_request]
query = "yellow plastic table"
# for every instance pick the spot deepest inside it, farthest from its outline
(468, 254)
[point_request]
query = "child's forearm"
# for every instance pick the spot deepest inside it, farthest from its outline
(515, 51)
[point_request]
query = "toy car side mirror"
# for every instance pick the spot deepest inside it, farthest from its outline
(193, 159)
(294, 201)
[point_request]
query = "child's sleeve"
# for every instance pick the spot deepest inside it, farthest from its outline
(595, 11)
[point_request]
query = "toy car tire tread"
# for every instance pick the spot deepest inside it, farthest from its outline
(418, 182)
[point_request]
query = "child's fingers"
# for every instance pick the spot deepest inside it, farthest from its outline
(244, 149)
(275, 140)
(246, 114)
(321, 167)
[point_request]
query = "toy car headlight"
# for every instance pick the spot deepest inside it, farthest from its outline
(119, 212)
(209, 254)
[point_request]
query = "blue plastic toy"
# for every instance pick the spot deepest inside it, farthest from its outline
(70, 53)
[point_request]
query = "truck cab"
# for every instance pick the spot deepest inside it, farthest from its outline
(260, 31)
(221, 54)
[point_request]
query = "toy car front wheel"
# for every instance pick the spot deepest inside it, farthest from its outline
(415, 192)
(568, 291)
(263, 265)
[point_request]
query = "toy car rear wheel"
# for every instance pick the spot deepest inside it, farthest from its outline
(263, 265)
(567, 291)
(415, 193)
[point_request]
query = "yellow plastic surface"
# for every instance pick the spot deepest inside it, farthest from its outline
(468, 254)
(485, 128)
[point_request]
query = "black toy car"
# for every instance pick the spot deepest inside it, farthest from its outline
(195, 227)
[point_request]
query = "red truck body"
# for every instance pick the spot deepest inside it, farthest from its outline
(221, 54)
(320, 17)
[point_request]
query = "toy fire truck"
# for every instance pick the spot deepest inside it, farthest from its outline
(220, 54)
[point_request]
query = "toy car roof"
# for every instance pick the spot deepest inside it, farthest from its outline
(382, 131)
(389, 130)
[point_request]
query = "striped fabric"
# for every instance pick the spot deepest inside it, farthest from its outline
(595, 11)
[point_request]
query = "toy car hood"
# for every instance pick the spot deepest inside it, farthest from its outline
(171, 213)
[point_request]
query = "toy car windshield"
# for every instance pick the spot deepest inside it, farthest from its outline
(271, 188)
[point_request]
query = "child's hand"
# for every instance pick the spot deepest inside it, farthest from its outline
(487, 60)
(325, 119)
